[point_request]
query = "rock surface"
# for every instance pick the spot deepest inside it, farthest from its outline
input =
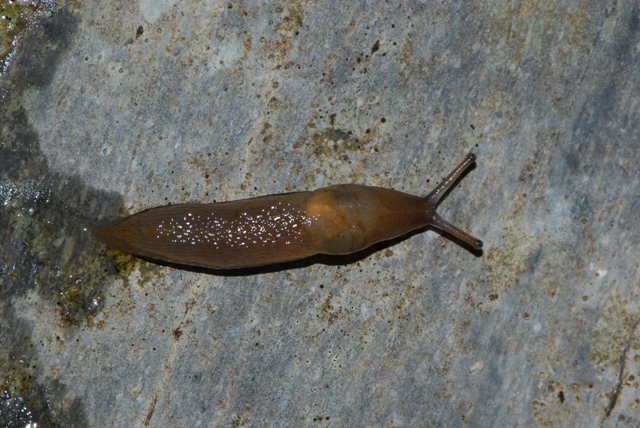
(110, 108)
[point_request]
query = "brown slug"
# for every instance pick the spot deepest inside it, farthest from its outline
(339, 219)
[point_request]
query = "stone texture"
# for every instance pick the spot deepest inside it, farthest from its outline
(110, 108)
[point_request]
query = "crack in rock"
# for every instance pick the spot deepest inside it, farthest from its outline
(618, 387)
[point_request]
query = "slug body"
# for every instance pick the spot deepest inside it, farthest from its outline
(272, 229)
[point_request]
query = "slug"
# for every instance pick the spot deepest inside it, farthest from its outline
(337, 220)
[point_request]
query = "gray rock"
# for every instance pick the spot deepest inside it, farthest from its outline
(109, 109)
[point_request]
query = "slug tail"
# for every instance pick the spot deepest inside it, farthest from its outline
(114, 236)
